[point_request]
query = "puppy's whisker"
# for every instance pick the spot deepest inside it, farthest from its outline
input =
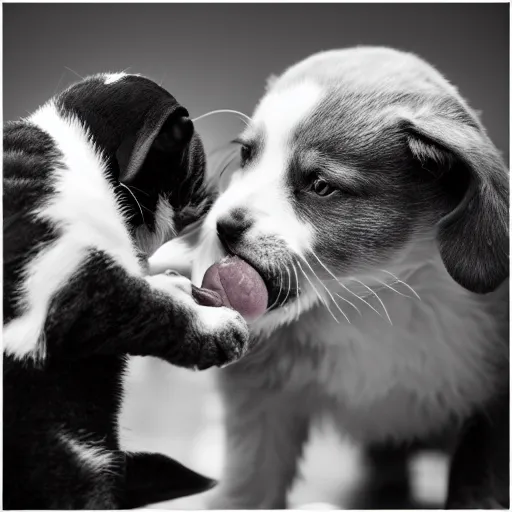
(133, 195)
(297, 287)
(326, 289)
(402, 282)
(335, 278)
(244, 117)
(350, 303)
(276, 301)
(360, 298)
(280, 284)
(317, 293)
(391, 288)
(373, 293)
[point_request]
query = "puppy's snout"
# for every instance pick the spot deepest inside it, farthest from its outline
(231, 227)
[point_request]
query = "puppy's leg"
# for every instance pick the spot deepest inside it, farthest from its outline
(105, 310)
(386, 485)
(479, 476)
(265, 433)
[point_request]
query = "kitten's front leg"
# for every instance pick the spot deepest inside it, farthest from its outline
(265, 433)
(105, 310)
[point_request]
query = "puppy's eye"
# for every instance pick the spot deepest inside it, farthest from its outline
(245, 153)
(321, 188)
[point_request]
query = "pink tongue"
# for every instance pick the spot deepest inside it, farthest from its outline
(239, 286)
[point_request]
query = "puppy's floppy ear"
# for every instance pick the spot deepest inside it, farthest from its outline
(473, 237)
(166, 128)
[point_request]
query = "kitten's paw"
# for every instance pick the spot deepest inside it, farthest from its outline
(172, 284)
(214, 336)
(223, 336)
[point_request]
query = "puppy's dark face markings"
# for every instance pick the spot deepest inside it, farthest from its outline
(356, 159)
(155, 161)
(356, 181)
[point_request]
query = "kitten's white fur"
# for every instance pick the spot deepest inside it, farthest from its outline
(96, 459)
(150, 241)
(85, 210)
(112, 78)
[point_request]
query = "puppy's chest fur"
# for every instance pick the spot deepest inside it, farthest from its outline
(426, 371)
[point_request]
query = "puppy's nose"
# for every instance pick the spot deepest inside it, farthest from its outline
(232, 226)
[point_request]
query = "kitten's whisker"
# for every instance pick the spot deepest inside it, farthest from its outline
(138, 190)
(79, 76)
(58, 83)
(133, 195)
(373, 293)
(245, 117)
(403, 282)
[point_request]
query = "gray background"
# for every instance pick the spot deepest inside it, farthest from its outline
(219, 56)
(214, 56)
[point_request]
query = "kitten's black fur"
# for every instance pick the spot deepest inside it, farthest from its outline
(62, 397)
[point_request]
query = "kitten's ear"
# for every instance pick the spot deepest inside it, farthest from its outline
(473, 237)
(166, 129)
(152, 478)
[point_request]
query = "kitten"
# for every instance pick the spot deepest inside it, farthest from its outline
(94, 182)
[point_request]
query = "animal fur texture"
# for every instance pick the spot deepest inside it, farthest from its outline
(94, 182)
(375, 206)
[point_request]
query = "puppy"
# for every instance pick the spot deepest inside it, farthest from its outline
(94, 182)
(375, 207)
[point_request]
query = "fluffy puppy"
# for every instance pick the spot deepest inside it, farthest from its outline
(375, 206)
(94, 182)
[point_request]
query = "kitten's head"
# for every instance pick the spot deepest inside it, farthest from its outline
(155, 159)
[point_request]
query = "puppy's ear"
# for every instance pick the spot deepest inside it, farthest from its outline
(166, 129)
(473, 237)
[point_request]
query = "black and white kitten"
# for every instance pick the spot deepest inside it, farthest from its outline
(95, 181)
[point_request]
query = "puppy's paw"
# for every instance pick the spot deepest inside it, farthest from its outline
(222, 333)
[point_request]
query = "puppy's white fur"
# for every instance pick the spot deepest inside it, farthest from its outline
(277, 116)
(377, 380)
